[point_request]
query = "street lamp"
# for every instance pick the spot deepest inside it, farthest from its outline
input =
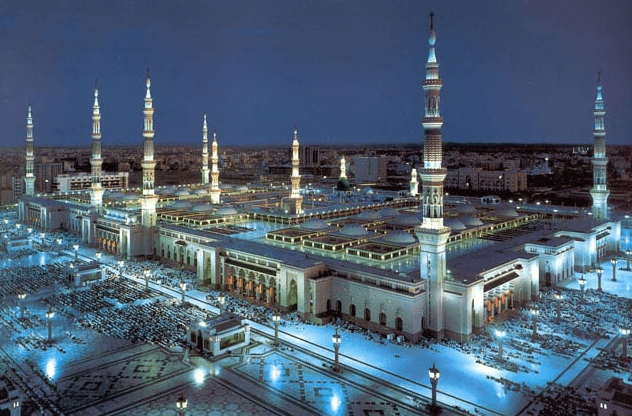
(59, 241)
(434, 374)
(181, 405)
(76, 247)
(120, 264)
(222, 300)
(500, 334)
(558, 302)
(335, 339)
(582, 285)
(613, 261)
(624, 334)
(183, 286)
(22, 296)
(599, 273)
(534, 323)
(43, 235)
(146, 274)
(276, 318)
(98, 255)
(627, 255)
(50, 314)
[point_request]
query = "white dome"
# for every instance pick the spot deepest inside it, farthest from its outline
(465, 209)
(506, 212)
(407, 219)
(455, 225)
(203, 208)
(183, 192)
(226, 211)
(201, 191)
(399, 237)
(353, 230)
(369, 215)
(181, 205)
(470, 221)
(130, 197)
(241, 188)
(389, 212)
(315, 224)
(226, 186)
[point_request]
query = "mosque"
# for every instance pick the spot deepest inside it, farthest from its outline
(420, 264)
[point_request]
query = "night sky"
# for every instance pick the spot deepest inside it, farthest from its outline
(346, 72)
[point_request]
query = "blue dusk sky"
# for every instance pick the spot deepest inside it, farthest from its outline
(346, 72)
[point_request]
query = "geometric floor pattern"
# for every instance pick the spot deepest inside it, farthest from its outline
(308, 385)
(107, 381)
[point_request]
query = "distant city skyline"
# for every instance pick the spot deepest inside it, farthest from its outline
(344, 72)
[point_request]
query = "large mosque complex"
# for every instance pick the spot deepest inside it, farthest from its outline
(419, 264)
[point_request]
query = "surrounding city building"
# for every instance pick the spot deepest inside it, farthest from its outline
(370, 169)
(486, 180)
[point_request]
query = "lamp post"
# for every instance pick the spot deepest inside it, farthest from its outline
(625, 331)
(613, 261)
(181, 405)
(49, 317)
(120, 264)
(22, 296)
(434, 374)
(59, 241)
(627, 256)
(183, 286)
(98, 256)
(146, 274)
(500, 333)
(599, 273)
(222, 300)
(534, 323)
(43, 236)
(558, 302)
(276, 318)
(76, 247)
(582, 285)
(335, 339)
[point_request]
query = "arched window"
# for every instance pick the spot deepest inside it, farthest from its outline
(399, 324)
(338, 306)
(352, 310)
(367, 314)
(382, 318)
(328, 305)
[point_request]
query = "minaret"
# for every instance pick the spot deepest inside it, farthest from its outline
(599, 191)
(215, 191)
(343, 168)
(295, 196)
(414, 183)
(204, 169)
(432, 234)
(96, 191)
(148, 200)
(29, 178)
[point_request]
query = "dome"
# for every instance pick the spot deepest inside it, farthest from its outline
(454, 225)
(464, 209)
(241, 188)
(315, 224)
(343, 185)
(505, 212)
(115, 195)
(228, 210)
(203, 208)
(407, 219)
(399, 237)
(389, 212)
(225, 186)
(353, 230)
(165, 191)
(471, 221)
(183, 192)
(130, 197)
(201, 191)
(368, 190)
(181, 205)
(369, 215)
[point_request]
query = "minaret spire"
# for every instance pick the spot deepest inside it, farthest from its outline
(148, 201)
(343, 168)
(29, 178)
(433, 235)
(204, 169)
(96, 191)
(215, 191)
(599, 191)
(295, 195)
